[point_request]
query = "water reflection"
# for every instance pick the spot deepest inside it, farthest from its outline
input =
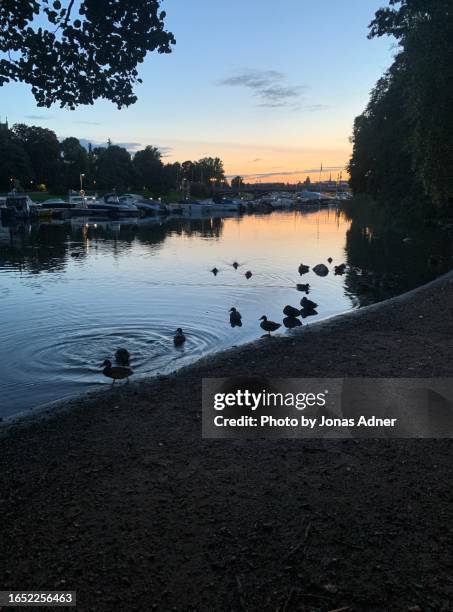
(72, 292)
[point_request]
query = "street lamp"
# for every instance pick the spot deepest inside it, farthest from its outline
(81, 182)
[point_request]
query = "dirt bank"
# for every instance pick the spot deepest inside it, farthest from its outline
(120, 499)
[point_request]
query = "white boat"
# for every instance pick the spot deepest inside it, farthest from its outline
(196, 208)
(315, 197)
(224, 205)
(278, 200)
(19, 206)
(111, 205)
(145, 205)
(343, 196)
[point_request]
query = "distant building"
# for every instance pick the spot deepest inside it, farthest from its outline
(4, 126)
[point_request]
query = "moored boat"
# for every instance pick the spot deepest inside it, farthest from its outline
(111, 205)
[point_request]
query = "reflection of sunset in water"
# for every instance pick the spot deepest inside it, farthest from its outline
(72, 293)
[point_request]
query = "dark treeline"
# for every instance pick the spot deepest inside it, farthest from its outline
(33, 158)
(403, 142)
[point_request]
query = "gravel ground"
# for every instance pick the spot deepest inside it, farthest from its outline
(117, 496)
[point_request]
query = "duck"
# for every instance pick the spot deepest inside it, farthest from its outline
(303, 287)
(291, 322)
(235, 318)
(303, 269)
(116, 372)
(122, 357)
(179, 337)
(268, 326)
(340, 269)
(290, 311)
(235, 265)
(215, 271)
(321, 270)
(248, 274)
(308, 304)
(330, 260)
(308, 313)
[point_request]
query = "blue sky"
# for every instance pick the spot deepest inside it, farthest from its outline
(270, 87)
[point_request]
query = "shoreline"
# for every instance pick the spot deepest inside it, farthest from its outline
(61, 406)
(121, 489)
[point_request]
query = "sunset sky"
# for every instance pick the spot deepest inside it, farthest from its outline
(271, 88)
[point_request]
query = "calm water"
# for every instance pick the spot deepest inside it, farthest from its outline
(72, 293)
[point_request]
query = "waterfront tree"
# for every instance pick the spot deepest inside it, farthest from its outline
(237, 182)
(149, 169)
(402, 142)
(43, 150)
(15, 167)
(113, 168)
(75, 162)
(73, 53)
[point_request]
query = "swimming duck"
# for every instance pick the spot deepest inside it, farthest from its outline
(308, 304)
(290, 311)
(179, 337)
(329, 259)
(235, 318)
(248, 274)
(235, 265)
(303, 287)
(215, 271)
(321, 270)
(122, 357)
(117, 372)
(268, 326)
(340, 269)
(303, 269)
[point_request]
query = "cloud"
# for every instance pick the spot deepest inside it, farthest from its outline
(39, 117)
(269, 86)
(132, 147)
(257, 159)
(165, 151)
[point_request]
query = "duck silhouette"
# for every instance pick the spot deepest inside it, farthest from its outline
(116, 372)
(269, 326)
(235, 318)
(122, 357)
(179, 338)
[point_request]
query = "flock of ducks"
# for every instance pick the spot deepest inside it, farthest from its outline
(122, 368)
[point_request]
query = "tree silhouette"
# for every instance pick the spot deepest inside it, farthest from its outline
(88, 50)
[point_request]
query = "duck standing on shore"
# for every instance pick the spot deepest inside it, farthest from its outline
(268, 326)
(116, 372)
(179, 338)
(291, 322)
(235, 318)
(122, 357)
